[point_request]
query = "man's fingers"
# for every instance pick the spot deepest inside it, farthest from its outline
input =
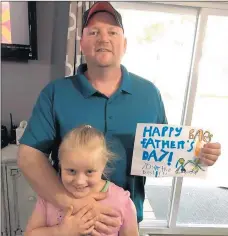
(109, 212)
(213, 145)
(210, 151)
(89, 224)
(110, 221)
(207, 161)
(100, 227)
(88, 231)
(95, 233)
(209, 157)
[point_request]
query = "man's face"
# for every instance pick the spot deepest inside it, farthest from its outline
(103, 42)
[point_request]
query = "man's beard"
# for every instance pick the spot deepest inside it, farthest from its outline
(98, 63)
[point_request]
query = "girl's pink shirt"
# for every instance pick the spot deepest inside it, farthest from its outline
(117, 198)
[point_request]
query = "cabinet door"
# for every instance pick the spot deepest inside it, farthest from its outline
(22, 200)
(4, 204)
(3, 216)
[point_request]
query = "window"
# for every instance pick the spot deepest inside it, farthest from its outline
(184, 52)
(208, 199)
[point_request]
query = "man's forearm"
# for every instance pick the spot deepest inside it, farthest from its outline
(42, 176)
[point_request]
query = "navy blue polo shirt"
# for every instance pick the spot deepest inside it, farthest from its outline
(66, 103)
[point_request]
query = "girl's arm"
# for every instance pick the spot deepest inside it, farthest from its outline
(37, 224)
(36, 227)
(81, 223)
(130, 225)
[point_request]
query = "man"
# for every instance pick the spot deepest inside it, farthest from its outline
(105, 95)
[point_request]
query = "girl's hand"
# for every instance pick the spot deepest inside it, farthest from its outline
(78, 224)
(107, 218)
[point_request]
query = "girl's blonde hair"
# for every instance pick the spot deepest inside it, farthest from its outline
(86, 137)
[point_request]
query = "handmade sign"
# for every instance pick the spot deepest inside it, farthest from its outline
(166, 150)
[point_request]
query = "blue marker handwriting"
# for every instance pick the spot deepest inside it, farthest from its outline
(155, 131)
(150, 140)
(162, 144)
(155, 170)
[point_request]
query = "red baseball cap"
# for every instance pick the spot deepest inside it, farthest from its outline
(101, 7)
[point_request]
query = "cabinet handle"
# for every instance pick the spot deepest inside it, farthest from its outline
(15, 172)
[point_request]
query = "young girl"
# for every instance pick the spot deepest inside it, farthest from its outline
(83, 155)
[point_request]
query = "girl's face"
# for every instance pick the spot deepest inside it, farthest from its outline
(81, 172)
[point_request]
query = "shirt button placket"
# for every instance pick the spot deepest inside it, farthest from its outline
(109, 116)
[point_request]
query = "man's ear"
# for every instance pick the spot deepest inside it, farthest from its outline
(125, 45)
(59, 169)
(82, 42)
(81, 45)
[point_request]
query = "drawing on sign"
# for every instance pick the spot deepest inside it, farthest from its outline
(199, 138)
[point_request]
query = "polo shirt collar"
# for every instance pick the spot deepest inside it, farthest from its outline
(126, 81)
(88, 90)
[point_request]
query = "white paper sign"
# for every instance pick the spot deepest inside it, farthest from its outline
(166, 150)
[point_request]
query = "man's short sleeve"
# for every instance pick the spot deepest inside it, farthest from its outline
(162, 113)
(41, 129)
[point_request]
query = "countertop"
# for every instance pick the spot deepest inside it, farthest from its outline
(9, 153)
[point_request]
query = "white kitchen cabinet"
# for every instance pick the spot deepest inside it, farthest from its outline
(17, 196)
(5, 226)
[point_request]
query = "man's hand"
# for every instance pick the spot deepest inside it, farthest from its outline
(108, 222)
(210, 153)
(107, 219)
